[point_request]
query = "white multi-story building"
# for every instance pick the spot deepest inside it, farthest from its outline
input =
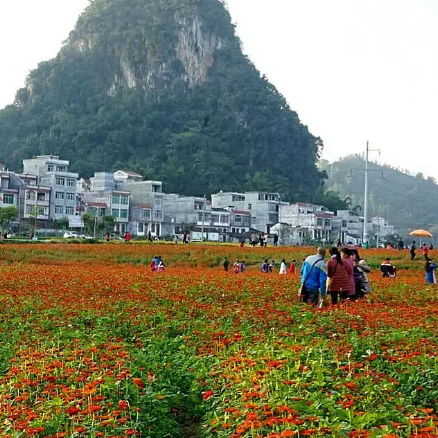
(103, 198)
(57, 196)
(313, 221)
(263, 206)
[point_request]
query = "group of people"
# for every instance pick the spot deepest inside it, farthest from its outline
(239, 266)
(157, 264)
(424, 250)
(344, 277)
(259, 239)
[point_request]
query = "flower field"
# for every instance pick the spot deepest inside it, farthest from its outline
(93, 344)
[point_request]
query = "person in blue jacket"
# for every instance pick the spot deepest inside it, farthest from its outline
(314, 277)
(430, 267)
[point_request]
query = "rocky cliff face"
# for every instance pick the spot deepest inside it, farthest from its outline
(163, 87)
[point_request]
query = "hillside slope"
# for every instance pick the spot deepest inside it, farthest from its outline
(407, 201)
(162, 87)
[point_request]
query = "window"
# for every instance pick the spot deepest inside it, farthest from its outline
(238, 219)
(50, 168)
(273, 207)
(71, 183)
(59, 209)
(147, 214)
(140, 228)
(199, 205)
(273, 218)
(41, 196)
(237, 198)
(61, 169)
(158, 214)
(42, 211)
(69, 211)
(158, 201)
(70, 196)
(102, 212)
(8, 199)
(124, 200)
(249, 206)
(319, 222)
(60, 181)
(59, 195)
(115, 213)
(152, 228)
(124, 214)
(116, 199)
(344, 224)
(327, 223)
(215, 218)
(223, 219)
(30, 196)
(156, 188)
(92, 210)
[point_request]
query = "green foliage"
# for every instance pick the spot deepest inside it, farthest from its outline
(59, 224)
(7, 215)
(123, 91)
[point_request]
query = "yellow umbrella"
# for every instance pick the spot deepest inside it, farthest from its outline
(420, 233)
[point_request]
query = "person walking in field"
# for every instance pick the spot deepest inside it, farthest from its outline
(430, 267)
(226, 264)
(283, 268)
(293, 267)
(339, 272)
(313, 278)
(346, 259)
(412, 249)
(275, 239)
(425, 252)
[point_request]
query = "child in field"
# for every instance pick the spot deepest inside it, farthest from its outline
(293, 267)
(236, 267)
(242, 267)
(265, 267)
(160, 266)
(430, 267)
(283, 269)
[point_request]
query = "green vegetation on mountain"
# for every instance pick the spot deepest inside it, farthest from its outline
(407, 201)
(162, 87)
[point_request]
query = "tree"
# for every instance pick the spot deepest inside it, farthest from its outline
(89, 222)
(61, 223)
(7, 215)
(109, 222)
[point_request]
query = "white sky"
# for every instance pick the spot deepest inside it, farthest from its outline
(354, 70)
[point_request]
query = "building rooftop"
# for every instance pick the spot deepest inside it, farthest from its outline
(97, 204)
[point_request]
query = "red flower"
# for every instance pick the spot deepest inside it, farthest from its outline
(124, 405)
(207, 395)
(73, 410)
(138, 382)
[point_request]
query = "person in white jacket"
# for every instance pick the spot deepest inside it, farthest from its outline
(283, 268)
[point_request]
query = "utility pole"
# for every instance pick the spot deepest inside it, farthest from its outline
(365, 202)
(203, 219)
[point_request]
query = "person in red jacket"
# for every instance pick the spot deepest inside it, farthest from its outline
(339, 273)
(293, 267)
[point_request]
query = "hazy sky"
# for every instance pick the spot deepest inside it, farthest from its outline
(354, 70)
